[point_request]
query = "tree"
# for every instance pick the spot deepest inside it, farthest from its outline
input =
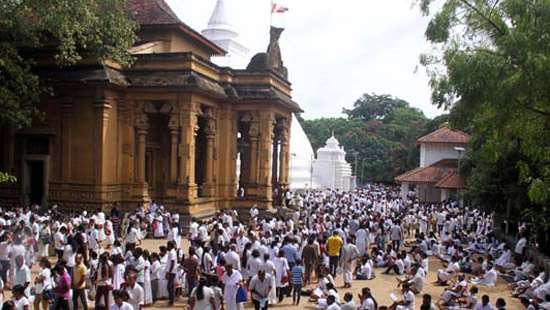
(372, 106)
(71, 29)
(381, 129)
(495, 81)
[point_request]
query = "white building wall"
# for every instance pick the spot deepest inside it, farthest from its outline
(431, 153)
(301, 159)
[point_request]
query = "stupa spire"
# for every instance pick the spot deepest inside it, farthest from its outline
(219, 15)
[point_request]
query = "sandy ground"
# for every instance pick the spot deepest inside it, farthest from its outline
(381, 288)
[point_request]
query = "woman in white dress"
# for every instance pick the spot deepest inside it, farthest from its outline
(159, 227)
(109, 234)
(269, 269)
(163, 283)
(281, 274)
(118, 273)
(147, 290)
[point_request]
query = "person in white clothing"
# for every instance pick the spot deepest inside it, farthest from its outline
(202, 297)
(120, 304)
(232, 281)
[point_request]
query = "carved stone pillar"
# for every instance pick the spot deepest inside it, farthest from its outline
(284, 158)
(264, 188)
(275, 162)
(253, 135)
(173, 125)
(66, 140)
(186, 173)
(102, 109)
(142, 125)
(210, 132)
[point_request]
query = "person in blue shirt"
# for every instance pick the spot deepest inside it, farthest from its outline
(297, 280)
(290, 251)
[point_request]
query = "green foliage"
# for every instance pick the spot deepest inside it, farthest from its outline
(71, 29)
(381, 129)
(4, 177)
(496, 82)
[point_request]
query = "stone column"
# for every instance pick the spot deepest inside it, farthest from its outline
(66, 147)
(264, 188)
(173, 125)
(142, 126)
(284, 157)
(102, 108)
(188, 132)
(253, 133)
(275, 163)
(210, 131)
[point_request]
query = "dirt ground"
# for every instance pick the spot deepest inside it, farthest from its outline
(381, 288)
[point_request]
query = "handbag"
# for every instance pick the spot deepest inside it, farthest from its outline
(242, 295)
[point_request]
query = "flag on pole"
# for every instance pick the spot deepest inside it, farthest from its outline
(278, 8)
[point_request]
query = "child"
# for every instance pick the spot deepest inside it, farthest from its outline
(297, 280)
(155, 275)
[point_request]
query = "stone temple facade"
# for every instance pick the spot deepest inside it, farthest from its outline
(330, 169)
(169, 128)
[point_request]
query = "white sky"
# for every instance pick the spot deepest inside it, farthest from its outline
(334, 50)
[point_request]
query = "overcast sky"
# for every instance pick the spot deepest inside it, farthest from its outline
(334, 50)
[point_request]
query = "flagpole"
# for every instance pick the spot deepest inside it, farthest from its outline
(271, 15)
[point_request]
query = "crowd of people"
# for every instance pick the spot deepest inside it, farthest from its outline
(97, 259)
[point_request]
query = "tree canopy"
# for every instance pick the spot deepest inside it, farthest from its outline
(382, 131)
(491, 70)
(71, 29)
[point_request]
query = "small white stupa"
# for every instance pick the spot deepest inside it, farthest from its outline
(301, 159)
(220, 31)
(330, 169)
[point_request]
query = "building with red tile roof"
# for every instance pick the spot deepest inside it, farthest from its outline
(437, 177)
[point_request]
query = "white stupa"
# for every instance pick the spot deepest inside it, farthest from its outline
(301, 159)
(330, 169)
(221, 31)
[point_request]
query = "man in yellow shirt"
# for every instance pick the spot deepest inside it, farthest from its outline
(79, 283)
(334, 246)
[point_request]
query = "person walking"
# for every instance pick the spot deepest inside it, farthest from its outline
(334, 246)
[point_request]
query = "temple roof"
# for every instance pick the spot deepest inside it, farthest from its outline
(152, 12)
(445, 135)
(158, 13)
(433, 173)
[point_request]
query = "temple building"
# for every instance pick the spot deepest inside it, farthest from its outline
(330, 169)
(169, 128)
(437, 179)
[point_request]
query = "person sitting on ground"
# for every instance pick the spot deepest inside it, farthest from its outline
(349, 304)
(489, 279)
(427, 303)
(415, 279)
(365, 270)
(485, 304)
(408, 301)
(450, 296)
(397, 266)
(449, 273)
(367, 300)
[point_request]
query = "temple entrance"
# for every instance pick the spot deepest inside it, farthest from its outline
(36, 175)
(157, 154)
